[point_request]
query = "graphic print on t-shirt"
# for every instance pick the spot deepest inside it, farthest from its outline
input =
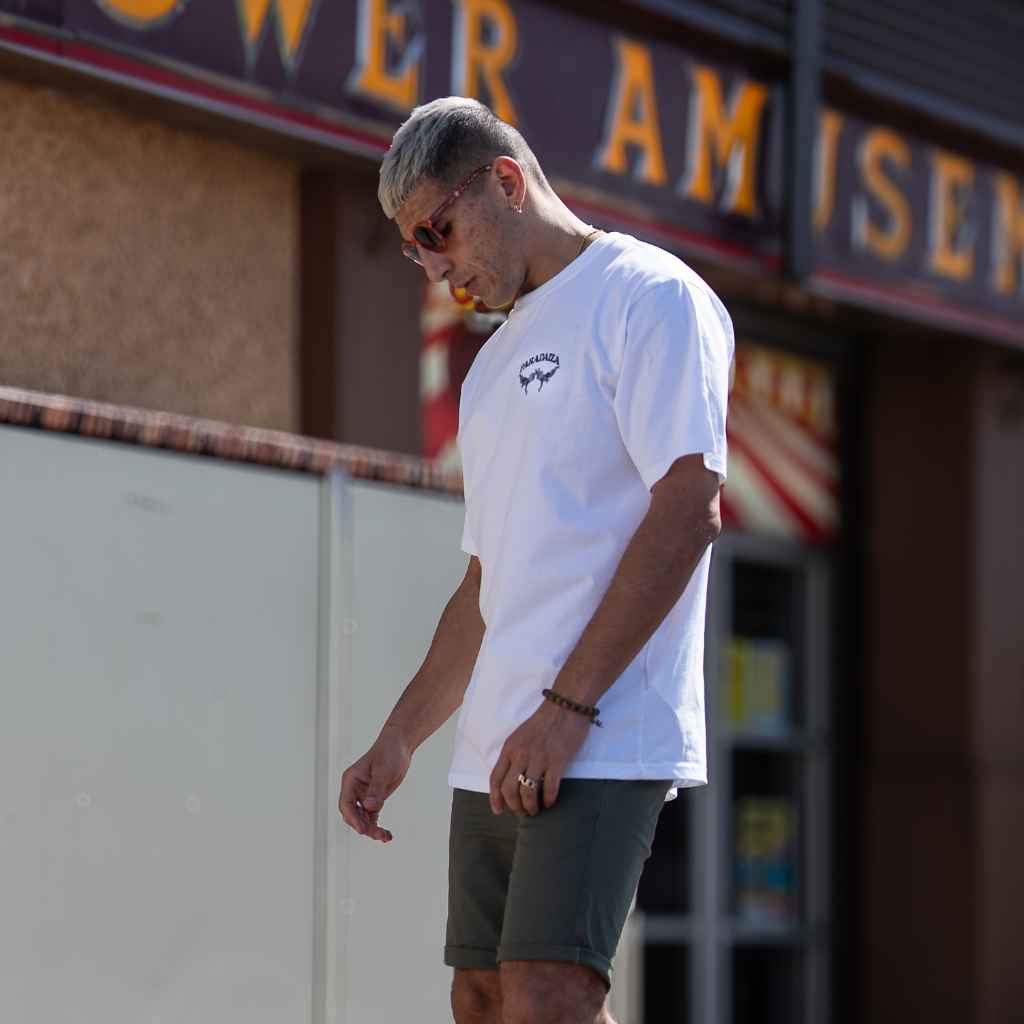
(545, 367)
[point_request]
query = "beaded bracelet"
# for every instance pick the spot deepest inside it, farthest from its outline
(590, 711)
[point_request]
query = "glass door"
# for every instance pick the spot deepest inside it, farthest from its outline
(733, 904)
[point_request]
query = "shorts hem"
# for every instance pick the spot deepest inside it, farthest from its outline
(572, 954)
(471, 958)
(683, 775)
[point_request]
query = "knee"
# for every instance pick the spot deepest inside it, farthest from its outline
(476, 997)
(550, 994)
(529, 1005)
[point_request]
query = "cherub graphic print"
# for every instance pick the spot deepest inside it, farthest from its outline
(541, 368)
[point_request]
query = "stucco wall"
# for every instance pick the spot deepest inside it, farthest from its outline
(145, 265)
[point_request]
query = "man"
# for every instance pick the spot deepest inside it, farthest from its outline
(592, 432)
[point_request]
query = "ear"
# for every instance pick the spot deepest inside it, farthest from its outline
(511, 180)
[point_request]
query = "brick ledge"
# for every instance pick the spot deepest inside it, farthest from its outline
(170, 431)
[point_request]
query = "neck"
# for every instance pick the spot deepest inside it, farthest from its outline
(555, 238)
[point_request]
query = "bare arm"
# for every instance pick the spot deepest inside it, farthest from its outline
(437, 689)
(683, 519)
(429, 700)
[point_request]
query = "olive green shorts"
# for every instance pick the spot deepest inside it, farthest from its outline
(557, 886)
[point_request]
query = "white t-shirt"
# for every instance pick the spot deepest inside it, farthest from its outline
(573, 409)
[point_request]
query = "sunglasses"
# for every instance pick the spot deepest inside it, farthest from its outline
(425, 235)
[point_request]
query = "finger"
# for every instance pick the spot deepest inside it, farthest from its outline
(373, 829)
(531, 797)
(497, 778)
(511, 791)
(376, 794)
(379, 833)
(379, 786)
(552, 781)
(348, 804)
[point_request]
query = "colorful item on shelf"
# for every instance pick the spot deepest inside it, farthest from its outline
(765, 860)
(757, 686)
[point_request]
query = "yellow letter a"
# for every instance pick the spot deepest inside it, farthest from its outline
(632, 118)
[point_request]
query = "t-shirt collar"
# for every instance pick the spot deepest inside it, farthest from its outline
(567, 273)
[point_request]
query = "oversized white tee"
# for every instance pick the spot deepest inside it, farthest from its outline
(572, 410)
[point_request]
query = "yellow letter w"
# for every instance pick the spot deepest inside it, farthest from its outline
(291, 17)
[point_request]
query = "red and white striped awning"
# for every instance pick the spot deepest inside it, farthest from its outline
(783, 474)
(440, 322)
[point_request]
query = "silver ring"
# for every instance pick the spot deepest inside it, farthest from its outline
(525, 780)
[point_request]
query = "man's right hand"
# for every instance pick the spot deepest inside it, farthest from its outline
(368, 782)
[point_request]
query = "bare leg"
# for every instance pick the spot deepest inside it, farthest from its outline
(552, 992)
(476, 997)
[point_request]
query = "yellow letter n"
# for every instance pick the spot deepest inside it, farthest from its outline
(1008, 236)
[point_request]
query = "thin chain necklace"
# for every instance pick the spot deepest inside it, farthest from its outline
(579, 252)
(583, 243)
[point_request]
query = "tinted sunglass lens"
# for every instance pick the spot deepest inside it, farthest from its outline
(428, 238)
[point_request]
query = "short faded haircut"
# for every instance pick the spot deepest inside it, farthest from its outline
(444, 141)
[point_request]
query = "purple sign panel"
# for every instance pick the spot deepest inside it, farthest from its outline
(918, 227)
(637, 132)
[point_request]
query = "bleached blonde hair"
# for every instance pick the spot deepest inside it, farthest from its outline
(443, 141)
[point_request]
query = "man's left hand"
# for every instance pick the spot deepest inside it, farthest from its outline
(541, 748)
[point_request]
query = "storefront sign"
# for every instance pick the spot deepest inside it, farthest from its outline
(638, 132)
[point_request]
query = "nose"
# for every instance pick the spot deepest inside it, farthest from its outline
(436, 265)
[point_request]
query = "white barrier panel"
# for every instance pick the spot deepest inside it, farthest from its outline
(190, 653)
(407, 564)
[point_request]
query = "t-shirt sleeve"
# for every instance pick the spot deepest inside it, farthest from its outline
(468, 544)
(673, 384)
(467, 539)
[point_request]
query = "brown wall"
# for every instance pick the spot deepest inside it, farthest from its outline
(145, 265)
(943, 847)
(998, 706)
(361, 308)
(919, 801)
